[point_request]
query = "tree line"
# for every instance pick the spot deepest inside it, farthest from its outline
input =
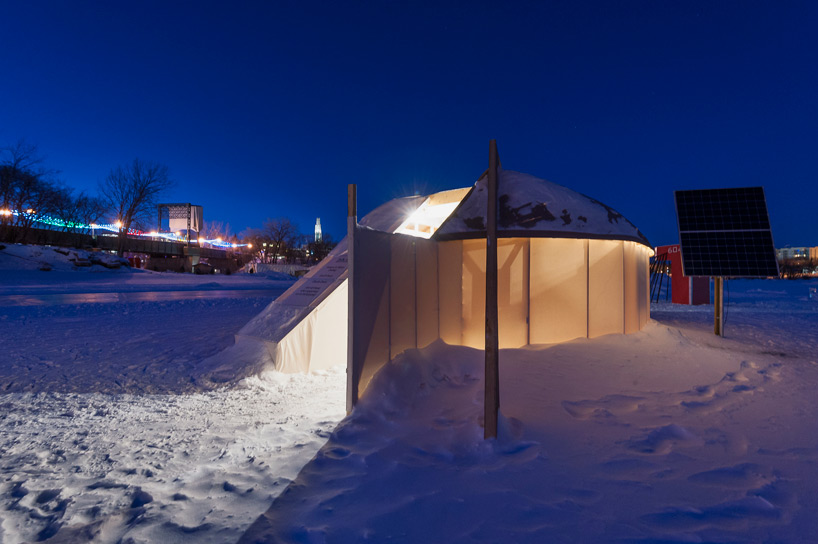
(280, 240)
(32, 193)
(129, 195)
(798, 267)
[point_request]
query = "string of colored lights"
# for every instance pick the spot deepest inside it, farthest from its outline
(115, 228)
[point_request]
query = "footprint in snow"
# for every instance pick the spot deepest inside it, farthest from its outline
(337, 453)
(741, 513)
(743, 476)
(604, 407)
(792, 453)
(661, 440)
(628, 467)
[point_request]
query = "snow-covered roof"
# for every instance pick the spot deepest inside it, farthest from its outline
(533, 207)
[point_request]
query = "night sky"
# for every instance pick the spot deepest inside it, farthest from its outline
(269, 109)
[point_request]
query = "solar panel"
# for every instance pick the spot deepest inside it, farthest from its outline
(725, 232)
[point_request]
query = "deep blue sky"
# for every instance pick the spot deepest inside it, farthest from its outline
(268, 109)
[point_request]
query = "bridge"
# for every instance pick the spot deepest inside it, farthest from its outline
(162, 254)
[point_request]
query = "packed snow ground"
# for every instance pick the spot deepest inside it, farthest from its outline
(669, 435)
(140, 422)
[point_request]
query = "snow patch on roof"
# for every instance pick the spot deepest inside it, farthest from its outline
(533, 207)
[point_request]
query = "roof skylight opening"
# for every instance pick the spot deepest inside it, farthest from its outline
(424, 221)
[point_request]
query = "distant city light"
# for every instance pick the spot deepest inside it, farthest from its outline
(116, 227)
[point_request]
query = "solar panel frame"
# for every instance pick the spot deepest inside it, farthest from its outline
(725, 232)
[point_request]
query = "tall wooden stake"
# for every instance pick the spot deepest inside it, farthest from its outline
(718, 305)
(492, 393)
(352, 223)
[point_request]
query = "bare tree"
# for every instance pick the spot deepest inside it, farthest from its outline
(26, 189)
(271, 242)
(216, 229)
(320, 249)
(132, 192)
(281, 233)
(77, 212)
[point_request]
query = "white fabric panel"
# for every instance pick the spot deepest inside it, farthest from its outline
(450, 291)
(605, 292)
(402, 335)
(427, 292)
(559, 290)
(292, 353)
(319, 341)
(632, 264)
(643, 284)
(474, 294)
(329, 338)
(512, 292)
(371, 293)
(377, 353)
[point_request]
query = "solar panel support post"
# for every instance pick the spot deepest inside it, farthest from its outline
(492, 375)
(718, 305)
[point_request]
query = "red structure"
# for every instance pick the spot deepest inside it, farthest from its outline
(684, 289)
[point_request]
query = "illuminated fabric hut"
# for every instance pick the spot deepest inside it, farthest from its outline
(569, 267)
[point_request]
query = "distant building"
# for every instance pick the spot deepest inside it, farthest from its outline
(318, 229)
(180, 218)
(797, 253)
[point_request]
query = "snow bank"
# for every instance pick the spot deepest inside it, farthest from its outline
(667, 435)
(47, 258)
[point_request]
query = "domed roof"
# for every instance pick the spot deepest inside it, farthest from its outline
(530, 207)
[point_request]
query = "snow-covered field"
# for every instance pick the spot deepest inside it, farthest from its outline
(669, 435)
(112, 428)
(136, 421)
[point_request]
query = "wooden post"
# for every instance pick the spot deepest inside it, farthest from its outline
(492, 384)
(189, 209)
(352, 224)
(718, 305)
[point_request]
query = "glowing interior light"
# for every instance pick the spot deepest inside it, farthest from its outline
(427, 219)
